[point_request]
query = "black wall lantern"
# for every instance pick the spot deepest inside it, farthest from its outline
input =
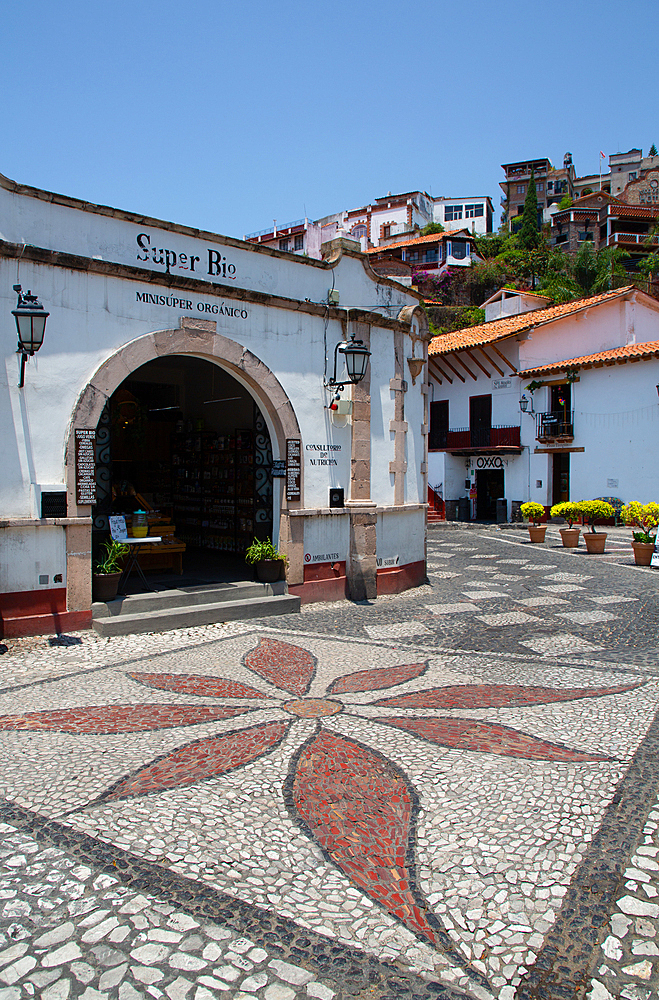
(30, 319)
(355, 354)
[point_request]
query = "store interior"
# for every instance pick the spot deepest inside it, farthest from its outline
(184, 441)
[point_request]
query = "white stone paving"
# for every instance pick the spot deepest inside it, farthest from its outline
(540, 602)
(452, 609)
(396, 630)
(560, 588)
(586, 617)
(483, 594)
(560, 643)
(509, 618)
(611, 599)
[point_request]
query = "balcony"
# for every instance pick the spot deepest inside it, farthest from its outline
(556, 425)
(500, 439)
(643, 240)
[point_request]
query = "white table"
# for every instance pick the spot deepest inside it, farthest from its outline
(135, 544)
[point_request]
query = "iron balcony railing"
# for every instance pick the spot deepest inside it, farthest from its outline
(503, 436)
(554, 424)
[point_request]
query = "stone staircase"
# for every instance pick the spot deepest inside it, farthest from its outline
(190, 606)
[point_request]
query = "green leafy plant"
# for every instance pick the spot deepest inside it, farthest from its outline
(532, 386)
(110, 559)
(431, 229)
(595, 510)
(644, 516)
(568, 510)
(532, 512)
(262, 549)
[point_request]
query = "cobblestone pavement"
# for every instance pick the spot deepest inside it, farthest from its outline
(448, 793)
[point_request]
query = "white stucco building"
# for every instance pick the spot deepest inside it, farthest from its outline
(187, 353)
(547, 404)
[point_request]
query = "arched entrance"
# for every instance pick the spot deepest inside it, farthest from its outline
(185, 442)
(197, 372)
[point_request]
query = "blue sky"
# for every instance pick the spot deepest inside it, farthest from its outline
(226, 115)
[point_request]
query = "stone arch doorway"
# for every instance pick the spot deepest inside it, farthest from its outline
(195, 340)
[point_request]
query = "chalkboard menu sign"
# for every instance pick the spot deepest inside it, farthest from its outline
(85, 467)
(293, 468)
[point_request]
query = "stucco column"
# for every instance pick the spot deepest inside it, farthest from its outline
(79, 566)
(361, 569)
(398, 426)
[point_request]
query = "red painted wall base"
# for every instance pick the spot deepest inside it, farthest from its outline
(399, 578)
(39, 612)
(53, 624)
(322, 582)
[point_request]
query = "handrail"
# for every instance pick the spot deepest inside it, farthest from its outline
(280, 229)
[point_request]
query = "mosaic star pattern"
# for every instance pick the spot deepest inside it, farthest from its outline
(355, 804)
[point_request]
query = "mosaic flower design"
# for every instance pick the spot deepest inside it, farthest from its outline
(356, 805)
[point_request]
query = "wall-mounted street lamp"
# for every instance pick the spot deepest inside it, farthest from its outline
(356, 355)
(524, 404)
(30, 319)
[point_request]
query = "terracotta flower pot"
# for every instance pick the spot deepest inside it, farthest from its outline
(269, 570)
(537, 532)
(595, 541)
(570, 537)
(104, 586)
(643, 552)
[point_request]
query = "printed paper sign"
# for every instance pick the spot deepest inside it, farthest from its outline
(118, 529)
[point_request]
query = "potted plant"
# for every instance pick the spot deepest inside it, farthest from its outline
(591, 511)
(645, 517)
(569, 511)
(270, 563)
(107, 570)
(534, 512)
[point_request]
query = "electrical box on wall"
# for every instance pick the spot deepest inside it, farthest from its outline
(336, 497)
(333, 297)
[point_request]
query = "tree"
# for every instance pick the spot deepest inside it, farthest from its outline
(653, 150)
(589, 272)
(565, 202)
(431, 229)
(528, 233)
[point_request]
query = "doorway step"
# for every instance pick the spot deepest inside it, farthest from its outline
(190, 606)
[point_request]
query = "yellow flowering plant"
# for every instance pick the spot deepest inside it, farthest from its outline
(644, 516)
(568, 510)
(532, 512)
(595, 510)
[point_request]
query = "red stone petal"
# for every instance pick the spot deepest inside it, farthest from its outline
(207, 687)
(495, 696)
(359, 808)
(286, 666)
(489, 737)
(381, 677)
(99, 719)
(205, 758)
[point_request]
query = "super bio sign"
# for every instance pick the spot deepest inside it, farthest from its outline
(213, 263)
